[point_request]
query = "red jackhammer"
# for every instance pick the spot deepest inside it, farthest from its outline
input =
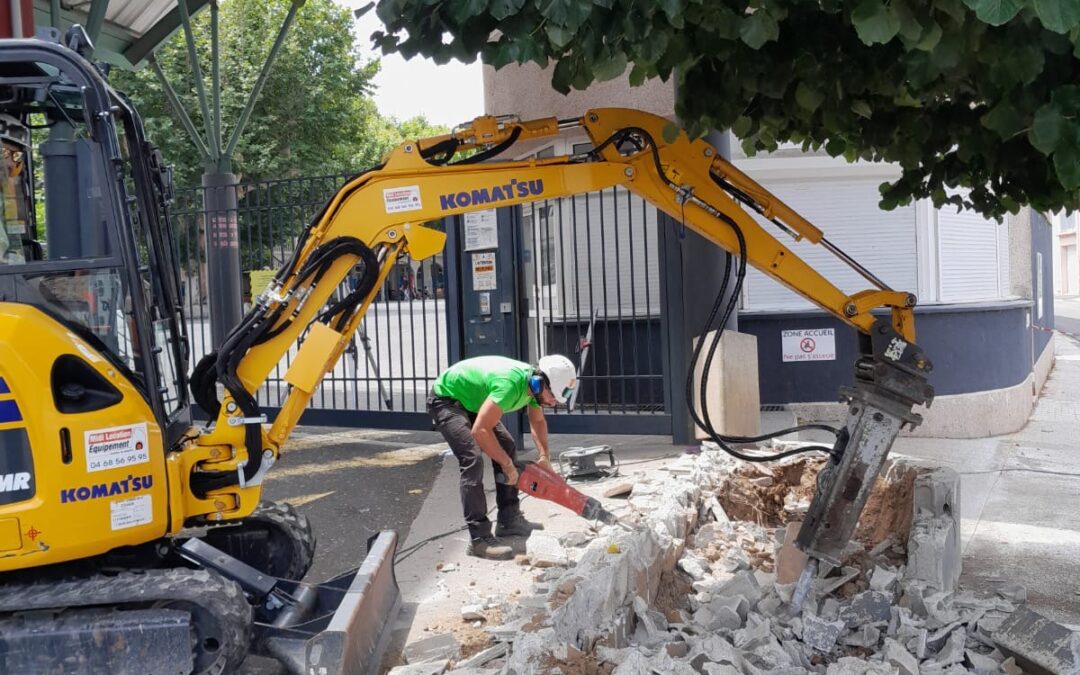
(541, 482)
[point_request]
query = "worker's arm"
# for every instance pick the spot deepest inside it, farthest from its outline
(538, 429)
(483, 430)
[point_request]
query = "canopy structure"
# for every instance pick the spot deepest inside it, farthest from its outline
(125, 32)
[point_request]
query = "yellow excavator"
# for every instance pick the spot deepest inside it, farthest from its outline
(132, 540)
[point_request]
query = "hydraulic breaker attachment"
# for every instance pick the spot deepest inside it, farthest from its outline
(889, 382)
(339, 627)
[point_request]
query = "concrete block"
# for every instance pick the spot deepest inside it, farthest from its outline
(953, 651)
(1038, 644)
(718, 650)
(736, 604)
(980, 663)
(937, 491)
(820, 634)
(528, 651)
(897, 655)
(1009, 667)
(790, 561)
(934, 553)
(696, 567)
(575, 539)
(865, 636)
(635, 663)
(866, 607)
(754, 636)
(733, 398)
(720, 669)
(883, 581)
(850, 665)
(484, 657)
(441, 646)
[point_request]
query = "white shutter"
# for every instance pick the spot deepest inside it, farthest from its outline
(847, 212)
(972, 252)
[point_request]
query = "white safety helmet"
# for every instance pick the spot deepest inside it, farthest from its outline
(560, 374)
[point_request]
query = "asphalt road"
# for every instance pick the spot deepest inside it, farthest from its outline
(351, 483)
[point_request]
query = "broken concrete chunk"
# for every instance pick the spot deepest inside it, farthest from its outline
(820, 634)
(436, 667)
(953, 651)
(635, 663)
(472, 613)
(770, 605)
(441, 646)
(735, 560)
(1037, 643)
(1009, 667)
(865, 636)
(696, 567)
(934, 552)
(897, 655)
(545, 550)
(830, 584)
(883, 581)
(850, 665)
(744, 584)
(980, 663)
(754, 636)
(484, 657)
(1013, 592)
(866, 607)
(575, 539)
(720, 669)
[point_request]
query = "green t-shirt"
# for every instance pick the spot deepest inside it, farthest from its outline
(473, 381)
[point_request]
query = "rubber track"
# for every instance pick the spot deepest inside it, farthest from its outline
(296, 527)
(220, 597)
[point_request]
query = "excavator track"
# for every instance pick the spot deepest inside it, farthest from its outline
(275, 539)
(127, 623)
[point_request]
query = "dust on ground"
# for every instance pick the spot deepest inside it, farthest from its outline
(673, 595)
(473, 639)
(576, 663)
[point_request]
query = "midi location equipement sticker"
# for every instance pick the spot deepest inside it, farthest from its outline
(401, 199)
(116, 447)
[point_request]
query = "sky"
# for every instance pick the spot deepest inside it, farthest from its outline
(449, 94)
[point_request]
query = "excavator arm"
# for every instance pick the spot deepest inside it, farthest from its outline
(379, 215)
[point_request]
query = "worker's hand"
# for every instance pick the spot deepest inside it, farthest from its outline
(511, 473)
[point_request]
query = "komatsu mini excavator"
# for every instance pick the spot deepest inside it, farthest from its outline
(131, 540)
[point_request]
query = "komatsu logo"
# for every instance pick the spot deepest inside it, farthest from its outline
(99, 490)
(13, 482)
(515, 189)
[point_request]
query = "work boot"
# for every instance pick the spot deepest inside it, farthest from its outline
(490, 548)
(516, 527)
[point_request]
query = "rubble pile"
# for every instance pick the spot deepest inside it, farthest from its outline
(702, 582)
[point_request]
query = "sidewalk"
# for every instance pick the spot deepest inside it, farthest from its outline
(1020, 500)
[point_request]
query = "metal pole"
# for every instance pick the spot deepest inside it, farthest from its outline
(257, 89)
(54, 13)
(16, 18)
(222, 253)
(96, 18)
(215, 69)
(178, 107)
(196, 70)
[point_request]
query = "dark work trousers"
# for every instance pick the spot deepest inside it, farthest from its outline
(455, 423)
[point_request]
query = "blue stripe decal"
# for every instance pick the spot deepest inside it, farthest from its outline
(9, 412)
(3, 387)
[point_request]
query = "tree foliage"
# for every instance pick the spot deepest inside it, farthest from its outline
(315, 115)
(976, 94)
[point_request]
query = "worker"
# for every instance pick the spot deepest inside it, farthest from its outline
(466, 404)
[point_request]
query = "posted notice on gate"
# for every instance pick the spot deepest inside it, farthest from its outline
(481, 230)
(116, 447)
(483, 271)
(814, 344)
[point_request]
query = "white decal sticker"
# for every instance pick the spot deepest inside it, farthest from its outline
(116, 447)
(481, 230)
(402, 199)
(483, 272)
(127, 513)
(809, 345)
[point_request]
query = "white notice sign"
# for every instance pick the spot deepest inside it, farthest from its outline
(116, 447)
(401, 199)
(127, 513)
(483, 271)
(481, 230)
(809, 345)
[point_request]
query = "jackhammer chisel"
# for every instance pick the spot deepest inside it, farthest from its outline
(543, 483)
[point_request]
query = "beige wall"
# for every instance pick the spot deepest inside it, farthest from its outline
(526, 91)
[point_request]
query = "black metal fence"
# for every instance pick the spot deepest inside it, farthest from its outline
(400, 346)
(591, 273)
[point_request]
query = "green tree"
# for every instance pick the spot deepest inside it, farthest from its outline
(315, 115)
(977, 94)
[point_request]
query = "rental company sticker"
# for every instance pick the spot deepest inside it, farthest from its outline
(402, 199)
(483, 272)
(116, 447)
(809, 345)
(127, 513)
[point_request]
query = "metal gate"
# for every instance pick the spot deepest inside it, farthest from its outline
(591, 275)
(400, 346)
